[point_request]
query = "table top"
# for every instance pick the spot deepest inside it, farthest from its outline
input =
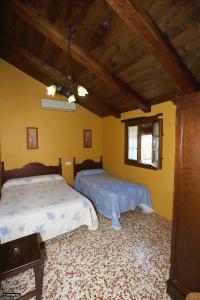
(21, 252)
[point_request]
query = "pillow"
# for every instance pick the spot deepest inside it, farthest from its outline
(87, 173)
(91, 172)
(32, 179)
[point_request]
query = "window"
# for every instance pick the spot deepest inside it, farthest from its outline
(143, 142)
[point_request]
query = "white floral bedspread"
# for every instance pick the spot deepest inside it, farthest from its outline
(50, 208)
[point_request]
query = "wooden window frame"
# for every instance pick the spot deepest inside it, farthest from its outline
(139, 122)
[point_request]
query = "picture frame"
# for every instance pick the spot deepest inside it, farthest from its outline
(87, 138)
(32, 137)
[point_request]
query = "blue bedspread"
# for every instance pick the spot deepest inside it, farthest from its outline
(110, 195)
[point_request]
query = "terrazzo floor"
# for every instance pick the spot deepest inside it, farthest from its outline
(131, 263)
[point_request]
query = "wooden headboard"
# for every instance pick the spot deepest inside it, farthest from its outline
(32, 169)
(87, 164)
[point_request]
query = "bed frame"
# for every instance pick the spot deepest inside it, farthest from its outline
(87, 164)
(32, 169)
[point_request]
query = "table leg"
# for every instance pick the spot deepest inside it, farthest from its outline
(39, 273)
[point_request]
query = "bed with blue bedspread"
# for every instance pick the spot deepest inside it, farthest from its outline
(110, 195)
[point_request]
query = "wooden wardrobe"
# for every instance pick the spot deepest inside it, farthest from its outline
(185, 252)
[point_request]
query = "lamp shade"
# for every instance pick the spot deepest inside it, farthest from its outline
(71, 99)
(51, 90)
(82, 92)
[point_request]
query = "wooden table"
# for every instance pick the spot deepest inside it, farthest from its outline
(20, 255)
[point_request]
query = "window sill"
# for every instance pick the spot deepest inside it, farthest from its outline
(140, 165)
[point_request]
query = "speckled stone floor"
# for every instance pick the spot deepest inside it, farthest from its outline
(132, 263)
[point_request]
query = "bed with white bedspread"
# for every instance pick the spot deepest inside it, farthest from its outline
(44, 204)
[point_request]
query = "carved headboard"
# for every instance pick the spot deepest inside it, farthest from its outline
(87, 164)
(32, 169)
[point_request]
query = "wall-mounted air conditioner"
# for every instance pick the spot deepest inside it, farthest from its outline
(57, 105)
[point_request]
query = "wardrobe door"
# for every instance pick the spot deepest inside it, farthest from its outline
(185, 255)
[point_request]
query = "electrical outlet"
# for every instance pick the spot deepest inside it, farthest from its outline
(68, 163)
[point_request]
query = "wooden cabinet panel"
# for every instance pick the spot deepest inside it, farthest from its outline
(185, 255)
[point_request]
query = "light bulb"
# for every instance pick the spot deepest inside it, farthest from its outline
(51, 90)
(82, 92)
(71, 99)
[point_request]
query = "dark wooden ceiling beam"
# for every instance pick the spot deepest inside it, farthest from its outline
(52, 72)
(52, 33)
(145, 29)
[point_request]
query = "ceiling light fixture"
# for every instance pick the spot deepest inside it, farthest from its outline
(74, 89)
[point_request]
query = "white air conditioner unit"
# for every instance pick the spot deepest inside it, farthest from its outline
(57, 105)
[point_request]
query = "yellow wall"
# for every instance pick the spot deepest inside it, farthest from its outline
(160, 182)
(60, 133)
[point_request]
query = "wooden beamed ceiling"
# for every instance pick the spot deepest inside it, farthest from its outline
(121, 54)
(143, 27)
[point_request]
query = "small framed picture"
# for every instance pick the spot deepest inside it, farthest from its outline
(87, 138)
(32, 137)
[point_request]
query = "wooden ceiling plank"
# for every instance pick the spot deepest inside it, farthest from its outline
(51, 32)
(50, 71)
(186, 99)
(144, 28)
